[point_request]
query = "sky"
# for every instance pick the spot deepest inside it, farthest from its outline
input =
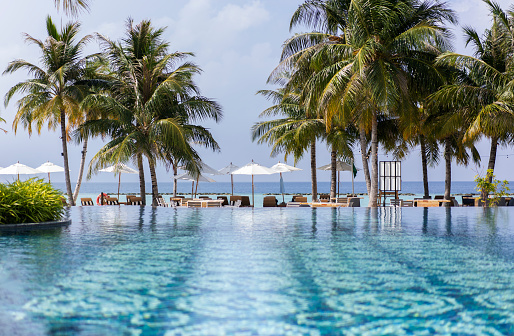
(237, 43)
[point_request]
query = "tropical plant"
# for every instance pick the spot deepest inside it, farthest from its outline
(30, 201)
(152, 106)
(489, 185)
(57, 87)
(374, 49)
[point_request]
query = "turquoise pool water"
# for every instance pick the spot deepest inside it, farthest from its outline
(289, 271)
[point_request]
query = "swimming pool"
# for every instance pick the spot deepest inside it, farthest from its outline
(288, 271)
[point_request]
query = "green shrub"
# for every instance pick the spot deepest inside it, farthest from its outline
(30, 201)
(496, 187)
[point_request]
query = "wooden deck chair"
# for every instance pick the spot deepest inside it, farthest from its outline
(396, 202)
(136, 200)
(245, 201)
(161, 202)
(86, 201)
(342, 200)
(233, 199)
(408, 204)
(301, 199)
(225, 200)
(214, 204)
(194, 204)
(111, 201)
(269, 202)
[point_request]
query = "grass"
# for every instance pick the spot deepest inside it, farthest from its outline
(30, 201)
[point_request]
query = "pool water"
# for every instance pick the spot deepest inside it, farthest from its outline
(287, 271)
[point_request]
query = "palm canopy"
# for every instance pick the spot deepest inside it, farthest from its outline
(153, 104)
(364, 58)
(72, 7)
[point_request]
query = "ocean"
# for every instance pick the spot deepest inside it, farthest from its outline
(264, 187)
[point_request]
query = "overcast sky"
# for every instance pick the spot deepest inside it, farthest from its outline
(237, 43)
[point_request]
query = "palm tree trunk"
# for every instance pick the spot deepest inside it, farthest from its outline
(71, 202)
(142, 186)
(175, 185)
(333, 176)
(81, 171)
(374, 162)
(153, 176)
(314, 178)
(424, 166)
(364, 151)
(448, 163)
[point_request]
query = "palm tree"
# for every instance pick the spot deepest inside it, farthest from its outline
(152, 104)
(293, 134)
(482, 94)
(374, 49)
(58, 86)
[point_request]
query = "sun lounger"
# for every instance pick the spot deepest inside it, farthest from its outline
(161, 202)
(86, 202)
(293, 204)
(134, 200)
(245, 201)
(295, 197)
(300, 199)
(225, 200)
(194, 204)
(395, 202)
(214, 203)
(269, 202)
(408, 203)
(234, 199)
(111, 201)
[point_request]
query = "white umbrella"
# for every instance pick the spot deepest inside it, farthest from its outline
(341, 166)
(229, 170)
(188, 177)
(119, 168)
(283, 168)
(204, 169)
(253, 168)
(49, 167)
(18, 168)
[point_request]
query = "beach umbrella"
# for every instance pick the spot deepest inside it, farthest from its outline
(18, 168)
(229, 170)
(49, 167)
(204, 169)
(342, 166)
(283, 168)
(253, 168)
(119, 168)
(200, 178)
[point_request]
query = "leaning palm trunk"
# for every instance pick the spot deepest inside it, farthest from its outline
(65, 157)
(364, 151)
(153, 176)
(424, 166)
(314, 178)
(142, 187)
(81, 171)
(448, 163)
(333, 175)
(374, 162)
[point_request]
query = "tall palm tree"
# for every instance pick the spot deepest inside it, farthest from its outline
(153, 104)
(293, 134)
(482, 94)
(374, 49)
(56, 88)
